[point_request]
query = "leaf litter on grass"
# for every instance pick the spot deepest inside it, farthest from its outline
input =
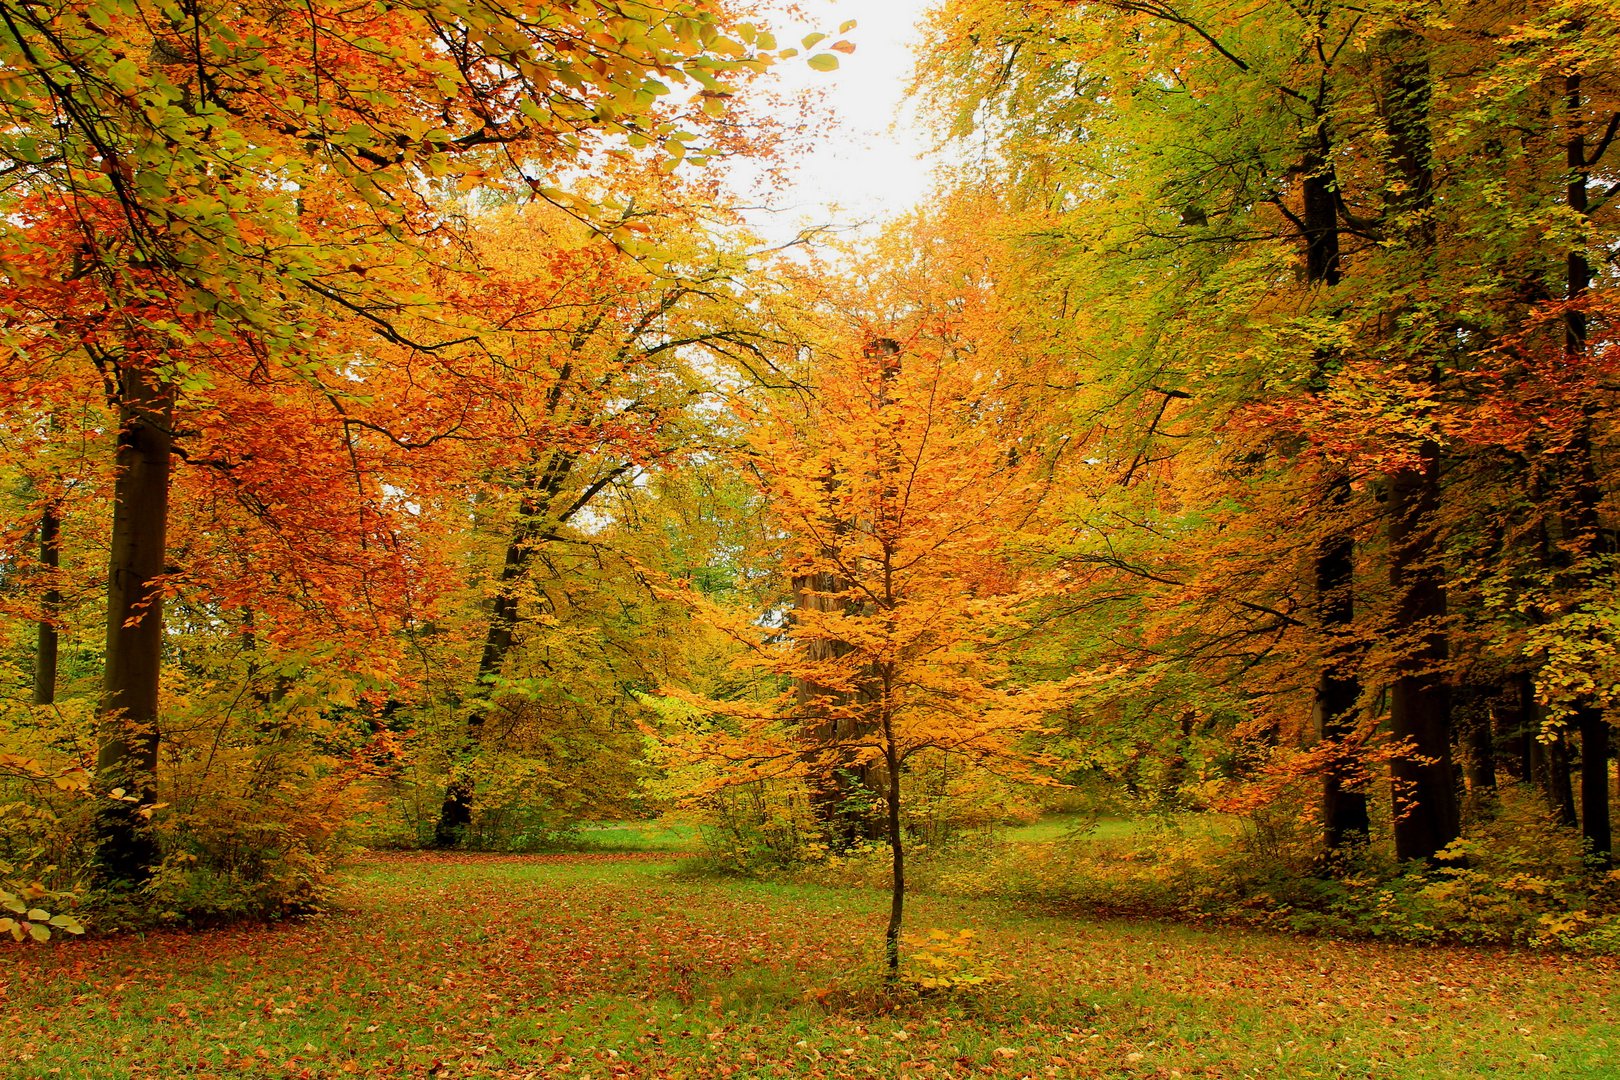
(501, 967)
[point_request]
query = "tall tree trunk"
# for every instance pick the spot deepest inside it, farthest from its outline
(837, 777)
(1549, 756)
(1425, 792)
(1510, 725)
(128, 754)
(1550, 760)
(1344, 807)
(47, 644)
(1582, 491)
(1478, 738)
(897, 847)
(1423, 783)
(455, 812)
(1338, 687)
(842, 774)
(1594, 729)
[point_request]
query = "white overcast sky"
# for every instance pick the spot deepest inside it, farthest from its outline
(867, 169)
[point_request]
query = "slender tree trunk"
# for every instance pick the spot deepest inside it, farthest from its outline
(887, 354)
(897, 851)
(263, 696)
(266, 693)
(1553, 768)
(1480, 736)
(1594, 729)
(1510, 724)
(1549, 757)
(47, 645)
(1319, 203)
(1344, 807)
(128, 754)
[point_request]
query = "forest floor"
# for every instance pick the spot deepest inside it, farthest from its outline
(619, 964)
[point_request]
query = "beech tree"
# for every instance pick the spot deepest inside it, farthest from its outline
(1243, 141)
(229, 177)
(1241, 154)
(900, 500)
(589, 381)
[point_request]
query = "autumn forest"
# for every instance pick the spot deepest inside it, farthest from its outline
(480, 596)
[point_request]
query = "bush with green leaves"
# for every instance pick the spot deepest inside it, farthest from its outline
(1515, 878)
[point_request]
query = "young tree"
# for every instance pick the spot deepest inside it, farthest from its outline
(900, 498)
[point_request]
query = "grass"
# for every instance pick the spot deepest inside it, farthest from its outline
(602, 965)
(645, 836)
(1052, 828)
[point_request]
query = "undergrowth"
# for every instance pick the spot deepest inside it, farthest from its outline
(1514, 878)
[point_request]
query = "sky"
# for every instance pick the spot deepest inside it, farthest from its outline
(868, 169)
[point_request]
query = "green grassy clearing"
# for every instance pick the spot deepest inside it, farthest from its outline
(628, 836)
(661, 835)
(1052, 828)
(600, 966)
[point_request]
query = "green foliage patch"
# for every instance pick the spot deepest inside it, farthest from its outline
(1515, 878)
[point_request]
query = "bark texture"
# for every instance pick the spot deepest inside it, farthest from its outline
(127, 757)
(47, 644)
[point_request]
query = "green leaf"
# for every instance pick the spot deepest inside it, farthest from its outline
(823, 62)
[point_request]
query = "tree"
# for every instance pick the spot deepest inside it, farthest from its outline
(1164, 154)
(899, 499)
(1232, 130)
(230, 178)
(590, 380)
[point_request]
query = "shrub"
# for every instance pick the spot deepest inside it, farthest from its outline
(759, 827)
(945, 962)
(1514, 878)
